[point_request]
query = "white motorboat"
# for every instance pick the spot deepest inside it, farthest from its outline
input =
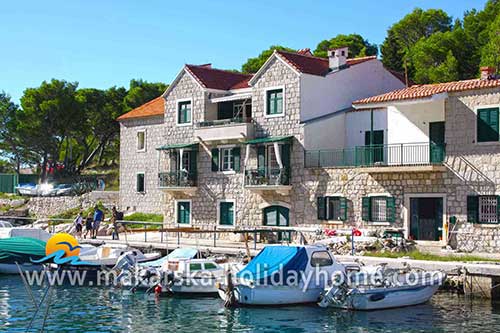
(106, 255)
(281, 275)
(377, 288)
(193, 276)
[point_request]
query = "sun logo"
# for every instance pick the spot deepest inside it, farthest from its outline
(63, 243)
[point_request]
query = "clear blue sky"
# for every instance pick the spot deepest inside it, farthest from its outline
(106, 43)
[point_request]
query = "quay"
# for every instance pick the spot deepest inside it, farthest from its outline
(477, 279)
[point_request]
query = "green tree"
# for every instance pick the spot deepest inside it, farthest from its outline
(358, 46)
(490, 52)
(433, 59)
(47, 118)
(254, 64)
(141, 91)
(403, 35)
(10, 141)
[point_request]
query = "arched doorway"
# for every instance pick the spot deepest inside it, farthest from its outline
(278, 216)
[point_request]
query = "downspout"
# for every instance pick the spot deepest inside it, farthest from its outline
(371, 136)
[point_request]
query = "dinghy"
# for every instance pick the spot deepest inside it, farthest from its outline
(281, 275)
(381, 288)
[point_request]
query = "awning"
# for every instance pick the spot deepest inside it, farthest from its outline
(178, 146)
(269, 139)
(229, 98)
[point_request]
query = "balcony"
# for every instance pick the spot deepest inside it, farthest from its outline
(260, 180)
(225, 129)
(403, 157)
(177, 181)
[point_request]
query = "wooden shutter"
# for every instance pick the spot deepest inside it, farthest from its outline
(366, 205)
(236, 159)
(193, 167)
(261, 159)
(215, 159)
(472, 209)
(140, 182)
(487, 125)
(285, 158)
(391, 209)
(498, 209)
(343, 208)
(321, 201)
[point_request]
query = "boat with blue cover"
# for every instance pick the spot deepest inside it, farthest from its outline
(281, 275)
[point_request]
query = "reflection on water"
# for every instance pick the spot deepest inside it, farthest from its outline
(101, 310)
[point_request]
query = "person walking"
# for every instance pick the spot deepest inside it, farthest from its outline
(116, 215)
(78, 221)
(98, 218)
(88, 225)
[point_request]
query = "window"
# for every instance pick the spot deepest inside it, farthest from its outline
(277, 216)
(186, 161)
(194, 267)
(332, 208)
(226, 159)
(487, 125)
(379, 209)
(184, 212)
(483, 209)
(184, 112)
(141, 140)
(140, 183)
(274, 99)
(226, 213)
(321, 259)
(210, 265)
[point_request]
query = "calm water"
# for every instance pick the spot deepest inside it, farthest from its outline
(101, 310)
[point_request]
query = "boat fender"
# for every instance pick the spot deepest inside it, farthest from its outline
(376, 297)
(158, 289)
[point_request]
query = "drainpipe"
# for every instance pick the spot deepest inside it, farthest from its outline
(371, 136)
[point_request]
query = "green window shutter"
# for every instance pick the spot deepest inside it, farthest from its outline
(321, 201)
(487, 125)
(391, 209)
(140, 182)
(366, 204)
(343, 208)
(236, 159)
(183, 212)
(261, 159)
(472, 209)
(215, 159)
(226, 213)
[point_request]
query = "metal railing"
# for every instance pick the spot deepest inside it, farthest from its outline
(267, 177)
(176, 179)
(402, 154)
(224, 122)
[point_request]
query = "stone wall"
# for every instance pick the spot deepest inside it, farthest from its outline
(133, 161)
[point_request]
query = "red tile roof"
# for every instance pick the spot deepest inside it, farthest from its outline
(315, 65)
(217, 78)
(155, 107)
(427, 90)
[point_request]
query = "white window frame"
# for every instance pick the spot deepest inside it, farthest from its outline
(139, 150)
(219, 225)
(177, 102)
(328, 198)
(282, 87)
(223, 161)
(476, 111)
(221, 158)
(176, 211)
(144, 177)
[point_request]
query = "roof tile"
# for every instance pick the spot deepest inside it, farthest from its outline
(155, 107)
(218, 79)
(427, 90)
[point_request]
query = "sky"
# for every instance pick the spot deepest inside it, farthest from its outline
(107, 43)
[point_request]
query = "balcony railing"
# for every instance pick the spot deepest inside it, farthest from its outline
(267, 177)
(176, 179)
(224, 122)
(404, 154)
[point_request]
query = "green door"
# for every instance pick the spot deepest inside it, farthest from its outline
(227, 213)
(374, 152)
(426, 219)
(278, 216)
(436, 138)
(184, 212)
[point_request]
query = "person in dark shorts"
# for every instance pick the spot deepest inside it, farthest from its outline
(79, 224)
(98, 218)
(88, 225)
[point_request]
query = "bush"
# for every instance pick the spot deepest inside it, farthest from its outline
(144, 217)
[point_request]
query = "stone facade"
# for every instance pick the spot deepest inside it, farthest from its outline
(471, 168)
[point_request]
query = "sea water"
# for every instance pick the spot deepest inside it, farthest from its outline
(96, 309)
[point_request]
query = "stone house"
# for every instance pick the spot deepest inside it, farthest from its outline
(225, 149)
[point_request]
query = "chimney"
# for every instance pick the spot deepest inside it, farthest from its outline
(487, 73)
(337, 58)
